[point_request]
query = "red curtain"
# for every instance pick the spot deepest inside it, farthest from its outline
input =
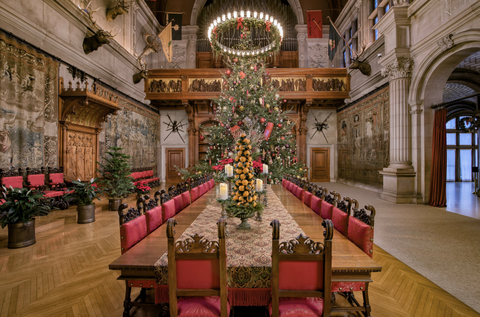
(438, 180)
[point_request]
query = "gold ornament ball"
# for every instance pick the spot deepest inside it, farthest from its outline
(241, 108)
(267, 106)
(252, 68)
(301, 169)
(276, 108)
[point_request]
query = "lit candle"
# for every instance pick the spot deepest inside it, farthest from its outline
(226, 169)
(265, 168)
(259, 185)
(229, 170)
(223, 191)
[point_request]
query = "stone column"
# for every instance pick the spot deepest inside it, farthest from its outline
(302, 45)
(399, 176)
(190, 34)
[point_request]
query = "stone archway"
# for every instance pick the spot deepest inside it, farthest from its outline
(428, 83)
(198, 5)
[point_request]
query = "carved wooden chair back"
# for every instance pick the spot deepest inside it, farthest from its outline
(301, 268)
(341, 215)
(197, 267)
(133, 226)
(361, 227)
(178, 198)
(35, 178)
(168, 206)
(56, 178)
(153, 212)
(12, 177)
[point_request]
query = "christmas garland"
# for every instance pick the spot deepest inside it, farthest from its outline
(245, 25)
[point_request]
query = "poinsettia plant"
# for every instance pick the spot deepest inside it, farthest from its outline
(142, 188)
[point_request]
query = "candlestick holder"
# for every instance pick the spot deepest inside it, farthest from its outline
(258, 215)
(265, 199)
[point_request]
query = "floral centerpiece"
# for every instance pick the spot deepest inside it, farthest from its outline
(244, 203)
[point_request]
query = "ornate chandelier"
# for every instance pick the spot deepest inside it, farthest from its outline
(470, 123)
(232, 34)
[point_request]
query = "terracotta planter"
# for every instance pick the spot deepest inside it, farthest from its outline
(114, 203)
(86, 213)
(21, 235)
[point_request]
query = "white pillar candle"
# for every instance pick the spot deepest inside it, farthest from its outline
(265, 168)
(223, 191)
(259, 185)
(229, 170)
(226, 169)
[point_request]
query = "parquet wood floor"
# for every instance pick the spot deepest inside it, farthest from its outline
(66, 274)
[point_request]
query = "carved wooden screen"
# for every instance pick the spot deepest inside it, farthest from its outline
(81, 155)
(82, 110)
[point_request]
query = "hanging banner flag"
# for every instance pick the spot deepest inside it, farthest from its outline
(176, 20)
(314, 24)
(166, 38)
(333, 41)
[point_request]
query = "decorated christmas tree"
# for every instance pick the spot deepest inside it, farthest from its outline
(248, 104)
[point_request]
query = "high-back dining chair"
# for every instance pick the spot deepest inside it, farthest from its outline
(329, 201)
(301, 274)
(195, 190)
(360, 232)
(341, 214)
(185, 192)
(174, 193)
(168, 206)
(197, 271)
(307, 195)
(152, 209)
(316, 200)
(12, 177)
(133, 229)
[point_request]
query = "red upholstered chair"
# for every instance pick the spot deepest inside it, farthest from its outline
(12, 177)
(178, 203)
(36, 180)
(328, 203)
(168, 207)
(316, 204)
(197, 271)
(307, 195)
(56, 178)
(185, 195)
(301, 275)
(152, 211)
(360, 232)
(341, 215)
(290, 186)
(133, 228)
(284, 182)
(194, 193)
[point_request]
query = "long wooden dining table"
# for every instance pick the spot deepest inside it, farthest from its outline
(248, 252)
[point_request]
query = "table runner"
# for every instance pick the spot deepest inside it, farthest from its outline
(249, 261)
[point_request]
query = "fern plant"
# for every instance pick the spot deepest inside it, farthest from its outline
(116, 173)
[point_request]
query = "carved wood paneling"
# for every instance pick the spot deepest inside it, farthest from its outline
(81, 151)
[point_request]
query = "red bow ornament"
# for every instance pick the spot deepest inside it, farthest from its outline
(268, 24)
(239, 23)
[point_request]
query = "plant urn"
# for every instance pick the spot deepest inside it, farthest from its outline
(86, 213)
(21, 234)
(114, 203)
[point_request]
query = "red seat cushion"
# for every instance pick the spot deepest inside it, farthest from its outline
(154, 219)
(132, 232)
(307, 199)
(212, 183)
(284, 182)
(316, 204)
(168, 210)
(194, 193)
(361, 234)
(326, 210)
(178, 203)
(200, 307)
(13, 181)
(299, 307)
(36, 180)
(56, 178)
(290, 186)
(299, 192)
(339, 219)
(52, 193)
(204, 189)
(186, 199)
(144, 174)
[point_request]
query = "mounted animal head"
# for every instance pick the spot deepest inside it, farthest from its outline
(100, 37)
(363, 66)
(152, 46)
(119, 9)
(143, 73)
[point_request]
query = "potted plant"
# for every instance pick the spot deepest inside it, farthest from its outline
(84, 194)
(18, 210)
(115, 171)
(142, 189)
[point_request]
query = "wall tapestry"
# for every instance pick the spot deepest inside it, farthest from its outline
(364, 139)
(134, 129)
(28, 106)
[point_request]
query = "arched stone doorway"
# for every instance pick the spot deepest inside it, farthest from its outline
(428, 83)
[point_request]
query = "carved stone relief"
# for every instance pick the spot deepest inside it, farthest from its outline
(446, 42)
(179, 57)
(317, 56)
(400, 68)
